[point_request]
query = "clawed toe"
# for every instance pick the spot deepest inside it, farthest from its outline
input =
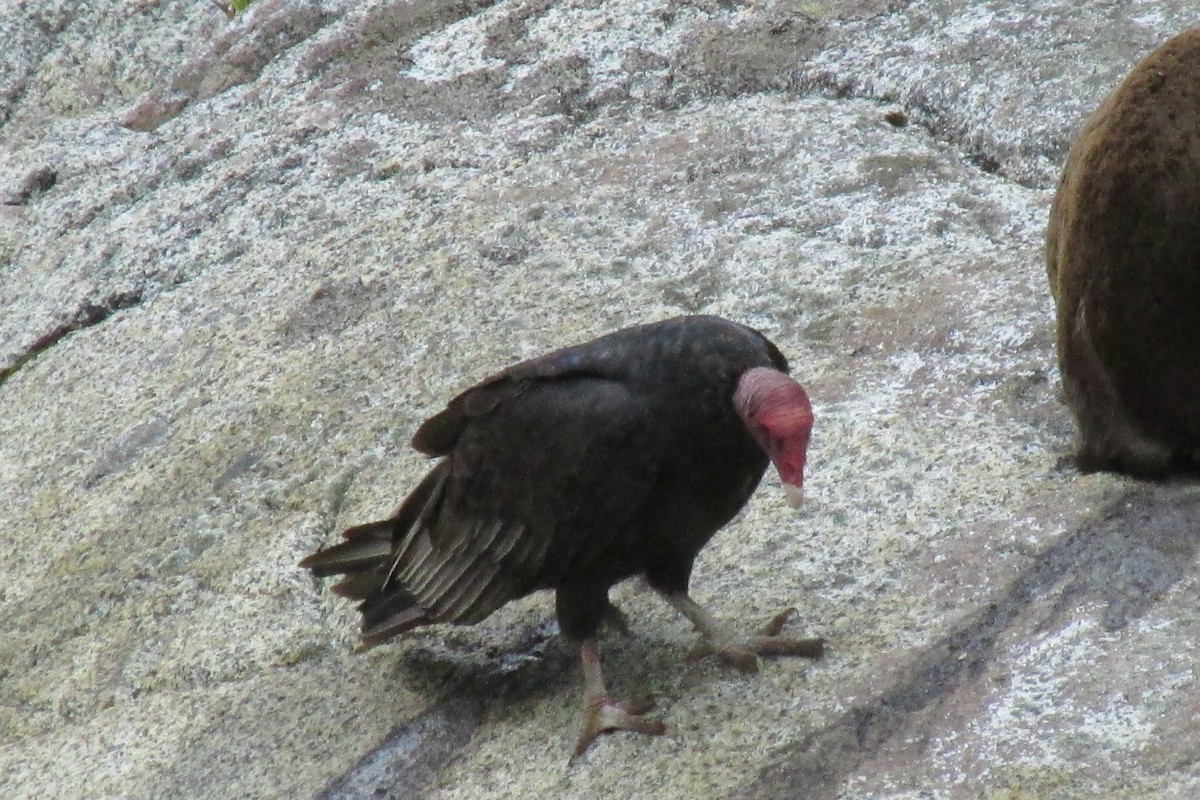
(784, 646)
(743, 654)
(732, 653)
(777, 622)
(604, 716)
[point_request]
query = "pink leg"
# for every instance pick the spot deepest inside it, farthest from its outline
(601, 715)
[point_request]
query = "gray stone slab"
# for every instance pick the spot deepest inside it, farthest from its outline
(273, 244)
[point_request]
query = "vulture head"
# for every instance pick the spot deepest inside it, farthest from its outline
(776, 411)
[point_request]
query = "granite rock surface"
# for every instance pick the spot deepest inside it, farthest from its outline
(240, 260)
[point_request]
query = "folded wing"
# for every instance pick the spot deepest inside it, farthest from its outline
(542, 469)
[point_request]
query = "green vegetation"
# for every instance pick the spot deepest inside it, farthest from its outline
(231, 7)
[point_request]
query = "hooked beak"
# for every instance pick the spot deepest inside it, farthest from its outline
(794, 494)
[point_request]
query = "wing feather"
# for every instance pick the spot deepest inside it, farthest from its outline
(526, 481)
(437, 588)
(460, 604)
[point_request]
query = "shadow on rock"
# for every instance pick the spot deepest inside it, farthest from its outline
(1128, 558)
(417, 750)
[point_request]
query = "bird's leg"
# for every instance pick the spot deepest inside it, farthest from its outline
(742, 652)
(601, 715)
(615, 618)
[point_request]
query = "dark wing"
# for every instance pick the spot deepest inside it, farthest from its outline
(542, 473)
(438, 434)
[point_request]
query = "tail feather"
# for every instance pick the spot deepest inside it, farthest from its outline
(389, 615)
(366, 547)
(359, 586)
(368, 556)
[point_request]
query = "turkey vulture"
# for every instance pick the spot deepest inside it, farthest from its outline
(614, 458)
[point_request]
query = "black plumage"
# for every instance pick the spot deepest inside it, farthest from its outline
(618, 457)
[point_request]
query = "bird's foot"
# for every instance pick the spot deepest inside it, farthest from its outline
(602, 715)
(743, 653)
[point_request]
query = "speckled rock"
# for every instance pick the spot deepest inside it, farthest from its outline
(241, 259)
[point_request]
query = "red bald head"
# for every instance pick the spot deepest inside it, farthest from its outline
(777, 413)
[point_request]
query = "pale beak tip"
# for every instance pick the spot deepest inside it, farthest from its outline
(794, 494)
